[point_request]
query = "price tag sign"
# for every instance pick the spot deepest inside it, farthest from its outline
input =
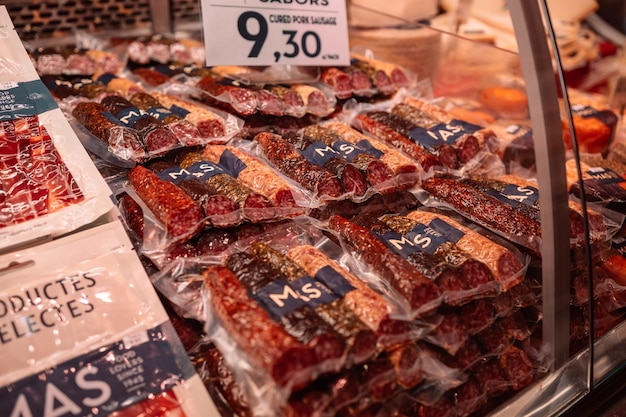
(276, 32)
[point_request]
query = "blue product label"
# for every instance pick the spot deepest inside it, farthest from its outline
(450, 232)
(425, 238)
(318, 153)
(347, 150)
(102, 381)
(175, 174)
(281, 297)
(501, 197)
(130, 115)
(367, 146)
(106, 78)
(112, 118)
(231, 164)
(179, 111)
(204, 170)
(399, 244)
(522, 194)
(312, 291)
(334, 280)
(605, 176)
(442, 134)
(519, 132)
(158, 113)
(26, 99)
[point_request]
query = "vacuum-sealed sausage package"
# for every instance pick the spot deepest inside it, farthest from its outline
(82, 332)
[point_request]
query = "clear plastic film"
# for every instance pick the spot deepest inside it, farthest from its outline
(357, 350)
(50, 184)
(87, 329)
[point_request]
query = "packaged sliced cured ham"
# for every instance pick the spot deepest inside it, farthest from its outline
(49, 185)
(86, 333)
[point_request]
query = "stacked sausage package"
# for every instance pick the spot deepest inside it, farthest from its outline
(82, 331)
(48, 184)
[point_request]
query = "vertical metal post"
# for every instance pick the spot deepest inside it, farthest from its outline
(161, 14)
(543, 104)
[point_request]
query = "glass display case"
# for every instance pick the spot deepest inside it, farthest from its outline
(530, 134)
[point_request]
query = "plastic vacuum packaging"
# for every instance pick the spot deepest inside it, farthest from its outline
(491, 204)
(49, 185)
(120, 120)
(83, 332)
(299, 332)
(436, 140)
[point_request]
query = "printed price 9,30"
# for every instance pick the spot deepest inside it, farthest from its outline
(253, 27)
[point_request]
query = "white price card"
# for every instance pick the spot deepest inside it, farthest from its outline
(275, 32)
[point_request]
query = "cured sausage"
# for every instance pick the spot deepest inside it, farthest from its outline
(123, 142)
(388, 135)
(338, 80)
(185, 131)
(446, 154)
(361, 341)
(303, 323)
(458, 274)
(320, 154)
(209, 124)
(404, 169)
(242, 100)
(257, 175)
(181, 216)
(465, 144)
(219, 210)
(156, 136)
(288, 161)
(254, 206)
(369, 306)
(377, 173)
(263, 339)
(485, 209)
(504, 266)
(422, 295)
